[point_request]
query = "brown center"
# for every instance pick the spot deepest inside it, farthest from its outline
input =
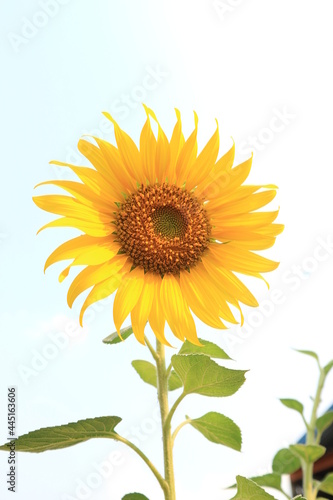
(163, 228)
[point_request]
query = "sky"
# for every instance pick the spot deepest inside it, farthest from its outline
(263, 70)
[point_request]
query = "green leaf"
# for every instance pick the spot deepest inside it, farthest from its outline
(293, 404)
(299, 497)
(324, 421)
(219, 429)
(328, 367)
(272, 480)
(114, 337)
(201, 375)
(207, 348)
(62, 436)
(307, 452)
(285, 462)
(146, 370)
(174, 381)
(327, 484)
(249, 490)
(135, 496)
(309, 353)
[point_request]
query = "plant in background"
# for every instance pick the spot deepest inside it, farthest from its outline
(297, 456)
(166, 229)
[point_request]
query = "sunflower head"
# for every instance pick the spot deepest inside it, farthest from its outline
(164, 227)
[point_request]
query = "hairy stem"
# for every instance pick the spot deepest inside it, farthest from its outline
(180, 426)
(162, 390)
(308, 488)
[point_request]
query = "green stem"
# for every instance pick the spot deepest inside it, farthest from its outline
(175, 432)
(151, 349)
(308, 489)
(162, 391)
(173, 409)
(151, 466)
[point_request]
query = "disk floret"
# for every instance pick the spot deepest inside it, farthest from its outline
(163, 228)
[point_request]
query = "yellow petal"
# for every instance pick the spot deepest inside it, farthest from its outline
(242, 261)
(128, 150)
(163, 156)
(148, 152)
(215, 294)
(176, 144)
(256, 244)
(82, 193)
(141, 311)
(243, 222)
(225, 278)
(246, 205)
(230, 181)
(201, 304)
(271, 230)
(118, 173)
(90, 228)
(203, 165)
(215, 182)
(127, 296)
(93, 180)
(90, 257)
(176, 310)
(156, 316)
(70, 207)
(92, 275)
(187, 155)
(100, 292)
(74, 247)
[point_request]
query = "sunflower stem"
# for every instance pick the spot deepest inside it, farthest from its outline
(162, 390)
(308, 487)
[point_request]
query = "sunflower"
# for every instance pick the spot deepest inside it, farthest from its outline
(164, 227)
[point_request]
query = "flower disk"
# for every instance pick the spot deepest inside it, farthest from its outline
(166, 229)
(163, 228)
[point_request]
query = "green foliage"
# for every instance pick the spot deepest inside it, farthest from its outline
(62, 436)
(114, 337)
(208, 348)
(146, 370)
(307, 452)
(285, 462)
(309, 353)
(174, 381)
(328, 367)
(249, 490)
(326, 485)
(134, 496)
(219, 429)
(293, 404)
(271, 480)
(201, 375)
(324, 421)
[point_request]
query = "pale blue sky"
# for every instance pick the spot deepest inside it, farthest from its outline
(262, 68)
